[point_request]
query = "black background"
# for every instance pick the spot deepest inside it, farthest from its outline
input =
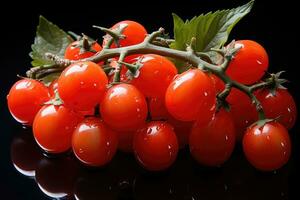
(274, 24)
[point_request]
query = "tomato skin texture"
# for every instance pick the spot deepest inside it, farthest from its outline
(156, 73)
(53, 87)
(242, 110)
(124, 108)
(73, 52)
(134, 33)
(94, 143)
(280, 105)
(82, 85)
(249, 64)
(25, 99)
(212, 144)
(267, 148)
(53, 127)
(155, 146)
(189, 95)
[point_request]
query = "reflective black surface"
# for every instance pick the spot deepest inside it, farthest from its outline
(25, 173)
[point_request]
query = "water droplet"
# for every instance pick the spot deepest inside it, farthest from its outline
(289, 110)
(149, 131)
(282, 144)
(95, 84)
(169, 147)
(226, 137)
(81, 82)
(258, 62)
(138, 110)
(107, 143)
(205, 94)
(268, 137)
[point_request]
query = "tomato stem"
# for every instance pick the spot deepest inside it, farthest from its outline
(149, 45)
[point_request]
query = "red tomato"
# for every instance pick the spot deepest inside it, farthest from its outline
(94, 143)
(73, 51)
(191, 94)
(125, 141)
(156, 73)
(124, 108)
(219, 84)
(249, 64)
(82, 85)
(53, 127)
(134, 33)
(26, 98)
(157, 108)
(212, 144)
(268, 147)
(242, 110)
(155, 146)
(53, 88)
(280, 105)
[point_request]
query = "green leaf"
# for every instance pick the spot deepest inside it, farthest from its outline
(211, 30)
(49, 38)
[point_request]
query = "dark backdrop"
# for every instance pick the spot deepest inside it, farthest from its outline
(274, 24)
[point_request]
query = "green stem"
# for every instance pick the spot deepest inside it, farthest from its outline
(189, 56)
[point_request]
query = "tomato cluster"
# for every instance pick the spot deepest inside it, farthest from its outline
(157, 111)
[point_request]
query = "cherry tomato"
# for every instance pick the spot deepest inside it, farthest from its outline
(281, 105)
(134, 33)
(218, 83)
(157, 108)
(182, 130)
(212, 144)
(242, 110)
(73, 51)
(249, 64)
(125, 141)
(26, 98)
(156, 73)
(53, 127)
(82, 85)
(124, 108)
(189, 95)
(268, 147)
(53, 87)
(94, 143)
(155, 146)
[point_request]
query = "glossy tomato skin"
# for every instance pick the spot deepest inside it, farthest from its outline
(155, 146)
(155, 75)
(212, 144)
(242, 110)
(25, 99)
(53, 127)
(124, 108)
(82, 85)
(189, 95)
(134, 33)
(268, 147)
(53, 88)
(249, 64)
(73, 51)
(93, 142)
(280, 105)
